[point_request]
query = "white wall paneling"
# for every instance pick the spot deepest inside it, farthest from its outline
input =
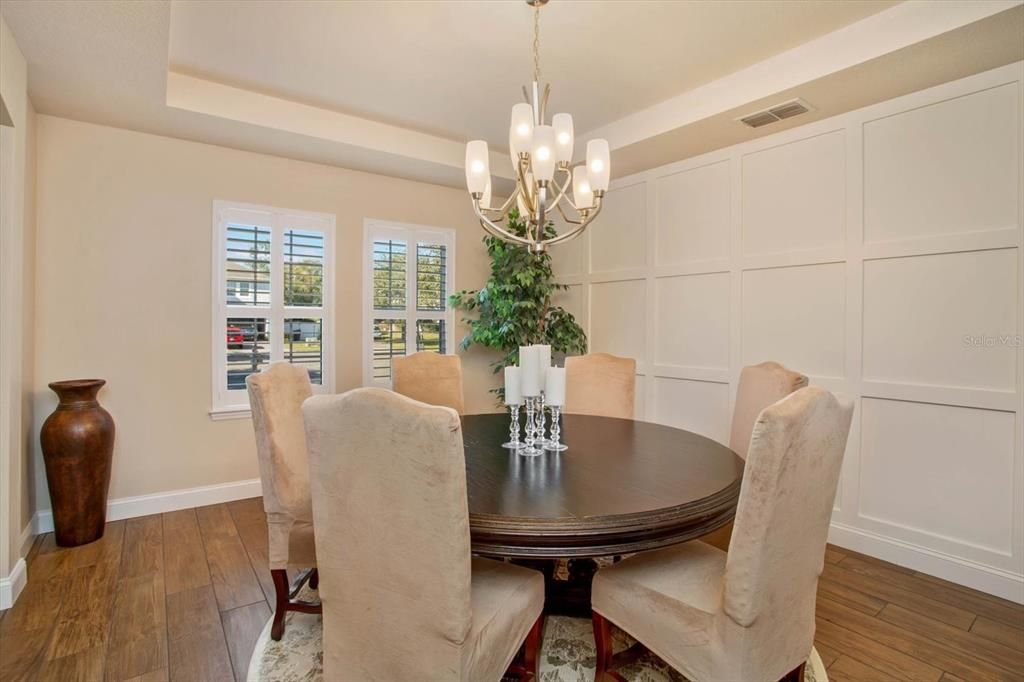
(879, 252)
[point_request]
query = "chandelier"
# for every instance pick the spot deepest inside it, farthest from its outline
(544, 170)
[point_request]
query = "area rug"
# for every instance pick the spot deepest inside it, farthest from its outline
(567, 653)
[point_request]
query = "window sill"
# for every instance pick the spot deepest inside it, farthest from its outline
(221, 414)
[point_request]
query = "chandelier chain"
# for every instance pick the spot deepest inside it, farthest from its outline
(536, 42)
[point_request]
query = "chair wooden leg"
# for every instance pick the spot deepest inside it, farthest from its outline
(314, 579)
(531, 648)
(525, 665)
(796, 674)
(281, 599)
(603, 640)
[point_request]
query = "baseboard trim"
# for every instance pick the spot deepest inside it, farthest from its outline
(157, 503)
(12, 585)
(957, 570)
(26, 539)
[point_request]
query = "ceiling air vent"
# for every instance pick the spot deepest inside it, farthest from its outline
(778, 112)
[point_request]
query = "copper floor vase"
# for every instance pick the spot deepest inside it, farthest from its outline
(78, 446)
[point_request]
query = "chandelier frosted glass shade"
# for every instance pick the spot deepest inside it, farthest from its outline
(521, 131)
(598, 165)
(582, 195)
(542, 153)
(562, 123)
(478, 174)
(546, 177)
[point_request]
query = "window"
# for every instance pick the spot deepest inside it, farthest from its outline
(272, 298)
(409, 272)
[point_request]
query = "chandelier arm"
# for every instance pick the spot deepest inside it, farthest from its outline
(503, 210)
(524, 191)
(563, 188)
(567, 218)
(576, 231)
(496, 230)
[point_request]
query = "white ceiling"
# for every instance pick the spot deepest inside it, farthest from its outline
(398, 87)
(454, 69)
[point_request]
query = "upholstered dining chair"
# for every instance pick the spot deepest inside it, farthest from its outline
(760, 385)
(402, 597)
(747, 614)
(275, 396)
(429, 377)
(600, 384)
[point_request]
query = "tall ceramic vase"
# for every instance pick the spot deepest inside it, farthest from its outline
(78, 446)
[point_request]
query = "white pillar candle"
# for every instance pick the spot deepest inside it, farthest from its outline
(530, 376)
(543, 363)
(554, 387)
(513, 386)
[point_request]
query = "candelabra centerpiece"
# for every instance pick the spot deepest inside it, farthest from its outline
(544, 170)
(535, 384)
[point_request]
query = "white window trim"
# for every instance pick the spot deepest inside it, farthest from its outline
(234, 404)
(374, 230)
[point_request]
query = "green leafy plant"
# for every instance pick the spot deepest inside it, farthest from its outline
(514, 307)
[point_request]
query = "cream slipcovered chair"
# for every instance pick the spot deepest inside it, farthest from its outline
(600, 384)
(275, 396)
(403, 599)
(760, 386)
(430, 378)
(748, 614)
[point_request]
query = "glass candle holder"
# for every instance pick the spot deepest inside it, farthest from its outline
(555, 442)
(513, 429)
(541, 417)
(529, 448)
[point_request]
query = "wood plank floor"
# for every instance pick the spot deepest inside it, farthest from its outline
(183, 596)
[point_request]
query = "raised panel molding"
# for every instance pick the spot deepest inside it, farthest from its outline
(794, 195)
(941, 319)
(796, 316)
(692, 321)
(835, 249)
(698, 406)
(693, 212)
(618, 235)
(617, 319)
(939, 475)
(949, 167)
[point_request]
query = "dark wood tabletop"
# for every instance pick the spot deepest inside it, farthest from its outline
(622, 486)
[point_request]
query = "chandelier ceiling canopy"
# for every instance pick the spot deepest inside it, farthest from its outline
(544, 170)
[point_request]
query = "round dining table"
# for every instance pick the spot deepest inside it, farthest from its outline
(622, 486)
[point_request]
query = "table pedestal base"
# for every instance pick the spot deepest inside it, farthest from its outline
(565, 595)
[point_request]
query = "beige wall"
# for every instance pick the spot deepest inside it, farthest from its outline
(123, 285)
(28, 321)
(17, 220)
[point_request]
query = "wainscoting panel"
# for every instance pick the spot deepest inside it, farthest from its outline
(966, 167)
(796, 316)
(794, 195)
(692, 222)
(880, 253)
(920, 313)
(619, 243)
(617, 318)
(692, 320)
(698, 406)
(920, 463)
